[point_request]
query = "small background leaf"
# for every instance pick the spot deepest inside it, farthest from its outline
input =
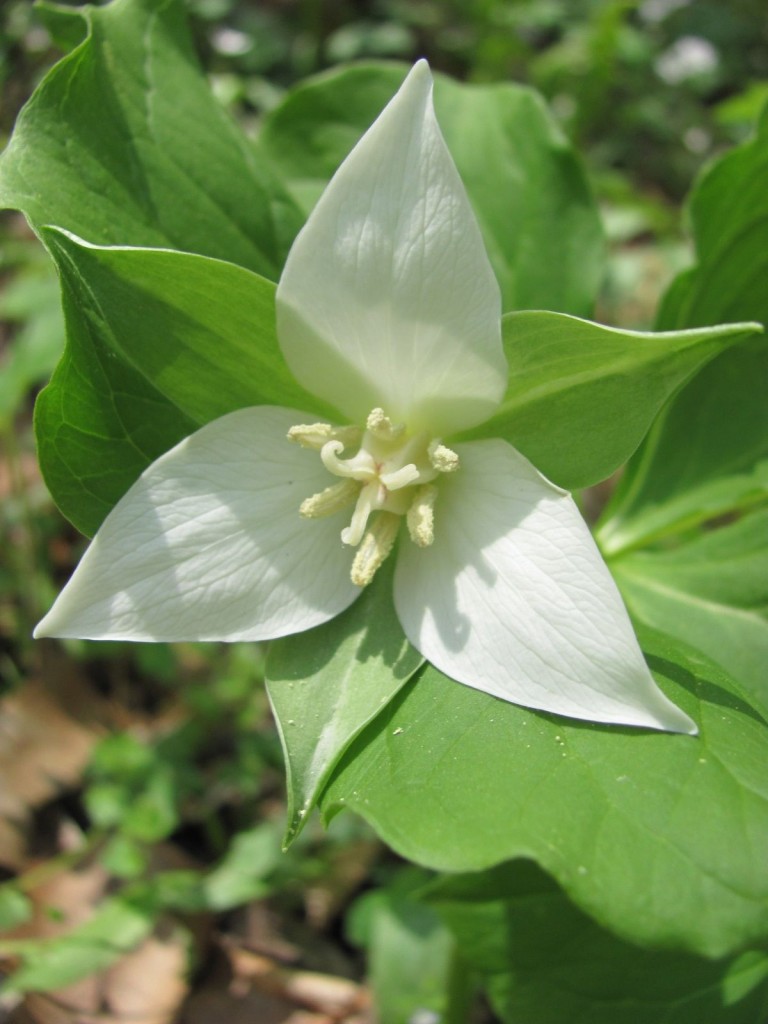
(33, 301)
(415, 974)
(119, 925)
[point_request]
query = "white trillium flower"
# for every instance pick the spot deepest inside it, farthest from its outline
(264, 523)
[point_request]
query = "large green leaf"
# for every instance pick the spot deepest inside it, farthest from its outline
(527, 187)
(159, 342)
(123, 143)
(546, 962)
(659, 837)
(201, 330)
(327, 684)
(99, 422)
(708, 453)
(581, 396)
(712, 592)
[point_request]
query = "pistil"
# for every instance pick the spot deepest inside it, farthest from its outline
(389, 476)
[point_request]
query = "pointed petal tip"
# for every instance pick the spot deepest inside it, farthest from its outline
(514, 599)
(418, 82)
(677, 721)
(208, 545)
(46, 627)
(370, 310)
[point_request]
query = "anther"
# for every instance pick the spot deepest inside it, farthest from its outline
(421, 516)
(377, 543)
(330, 500)
(443, 459)
(315, 435)
(381, 426)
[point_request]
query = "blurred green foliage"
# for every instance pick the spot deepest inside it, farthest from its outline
(646, 86)
(649, 87)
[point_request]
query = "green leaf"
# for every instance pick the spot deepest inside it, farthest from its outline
(545, 961)
(15, 906)
(67, 26)
(659, 837)
(708, 453)
(582, 396)
(193, 336)
(243, 873)
(527, 187)
(713, 593)
(200, 330)
(99, 422)
(117, 927)
(728, 210)
(32, 300)
(123, 143)
(125, 857)
(327, 684)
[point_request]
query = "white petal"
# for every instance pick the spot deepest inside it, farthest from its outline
(387, 298)
(514, 599)
(208, 544)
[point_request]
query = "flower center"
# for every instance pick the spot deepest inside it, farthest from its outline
(390, 475)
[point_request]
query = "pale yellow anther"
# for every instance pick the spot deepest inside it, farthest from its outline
(311, 435)
(421, 516)
(377, 543)
(315, 435)
(382, 427)
(330, 500)
(443, 459)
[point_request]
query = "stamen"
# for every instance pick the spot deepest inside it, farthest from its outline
(385, 473)
(421, 516)
(330, 500)
(443, 459)
(315, 435)
(381, 426)
(376, 545)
